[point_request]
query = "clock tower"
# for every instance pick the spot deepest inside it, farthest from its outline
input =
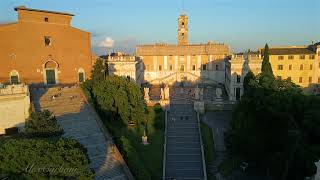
(183, 30)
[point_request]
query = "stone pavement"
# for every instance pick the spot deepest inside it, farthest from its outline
(79, 121)
(183, 148)
(219, 122)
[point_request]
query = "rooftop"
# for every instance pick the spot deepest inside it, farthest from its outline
(39, 10)
(290, 50)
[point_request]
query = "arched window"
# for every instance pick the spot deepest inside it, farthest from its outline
(81, 75)
(14, 77)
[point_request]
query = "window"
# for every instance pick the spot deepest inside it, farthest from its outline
(170, 67)
(217, 67)
(290, 67)
(160, 68)
(182, 23)
(182, 34)
(238, 78)
(311, 67)
(47, 40)
(193, 67)
(280, 57)
(300, 80)
(291, 57)
(310, 79)
(46, 19)
(301, 67)
(312, 56)
(302, 56)
(280, 67)
(204, 67)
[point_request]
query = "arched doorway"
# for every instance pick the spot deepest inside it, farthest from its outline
(14, 77)
(51, 72)
(81, 75)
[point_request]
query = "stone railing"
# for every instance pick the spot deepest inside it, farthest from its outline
(14, 89)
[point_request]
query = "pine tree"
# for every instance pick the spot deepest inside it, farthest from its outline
(266, 68)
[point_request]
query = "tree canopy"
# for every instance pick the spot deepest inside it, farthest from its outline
(277, 126)
(42, 123)
(98, 72)
(266, 68)
(25, 158)
(120, 96)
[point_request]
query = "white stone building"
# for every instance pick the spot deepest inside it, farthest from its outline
(14, 106)
(237, 68)
(125, 65)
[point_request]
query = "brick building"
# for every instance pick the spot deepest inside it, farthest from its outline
(42, 47)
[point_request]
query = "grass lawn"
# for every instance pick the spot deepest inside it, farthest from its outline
(207, 138)
(151, 156)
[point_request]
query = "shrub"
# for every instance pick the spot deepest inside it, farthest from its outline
(43, 124)
(133, 160)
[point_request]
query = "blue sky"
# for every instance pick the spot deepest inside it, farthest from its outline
(242, 24)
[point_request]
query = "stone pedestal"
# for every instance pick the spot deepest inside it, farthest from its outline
(218, 94)
(144, 140)
(199, 107)
(165, 104)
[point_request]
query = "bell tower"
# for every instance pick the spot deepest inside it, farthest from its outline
(183, 30)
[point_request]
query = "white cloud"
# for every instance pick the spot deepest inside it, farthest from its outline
(107, 42)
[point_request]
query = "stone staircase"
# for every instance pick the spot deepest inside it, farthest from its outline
(79, 122)
(183, 158)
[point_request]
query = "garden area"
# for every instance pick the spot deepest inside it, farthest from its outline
(41, 152)
(119, 103)
(208, 147)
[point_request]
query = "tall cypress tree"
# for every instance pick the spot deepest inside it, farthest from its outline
(266, 68)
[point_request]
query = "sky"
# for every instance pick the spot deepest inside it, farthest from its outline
(119, 25)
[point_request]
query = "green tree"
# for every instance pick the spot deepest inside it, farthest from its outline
(24, 158)
(276, 126)
(266, 68)
(98, 72)
(42, 123)
(121, 97)
(249, 76)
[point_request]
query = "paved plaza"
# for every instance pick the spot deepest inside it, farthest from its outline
(79, 121)
(183, 150)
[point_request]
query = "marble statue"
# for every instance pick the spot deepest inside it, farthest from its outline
(218, 93)
(166, 93)
(146, 94)
(196, 93)
(201, 94)
(162, 94)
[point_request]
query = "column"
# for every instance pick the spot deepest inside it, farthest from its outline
(165, 63)
(188, 63)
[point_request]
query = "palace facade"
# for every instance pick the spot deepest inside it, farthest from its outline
(300, 64)
(183, 62)
(42, 47)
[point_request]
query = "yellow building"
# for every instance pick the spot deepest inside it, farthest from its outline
(301, 64)
(164, 63)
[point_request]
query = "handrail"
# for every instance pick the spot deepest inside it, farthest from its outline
(202, 152)
(164, 147)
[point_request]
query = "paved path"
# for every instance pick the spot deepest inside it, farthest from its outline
(183, 150)
(218, 121)
(79, 122)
